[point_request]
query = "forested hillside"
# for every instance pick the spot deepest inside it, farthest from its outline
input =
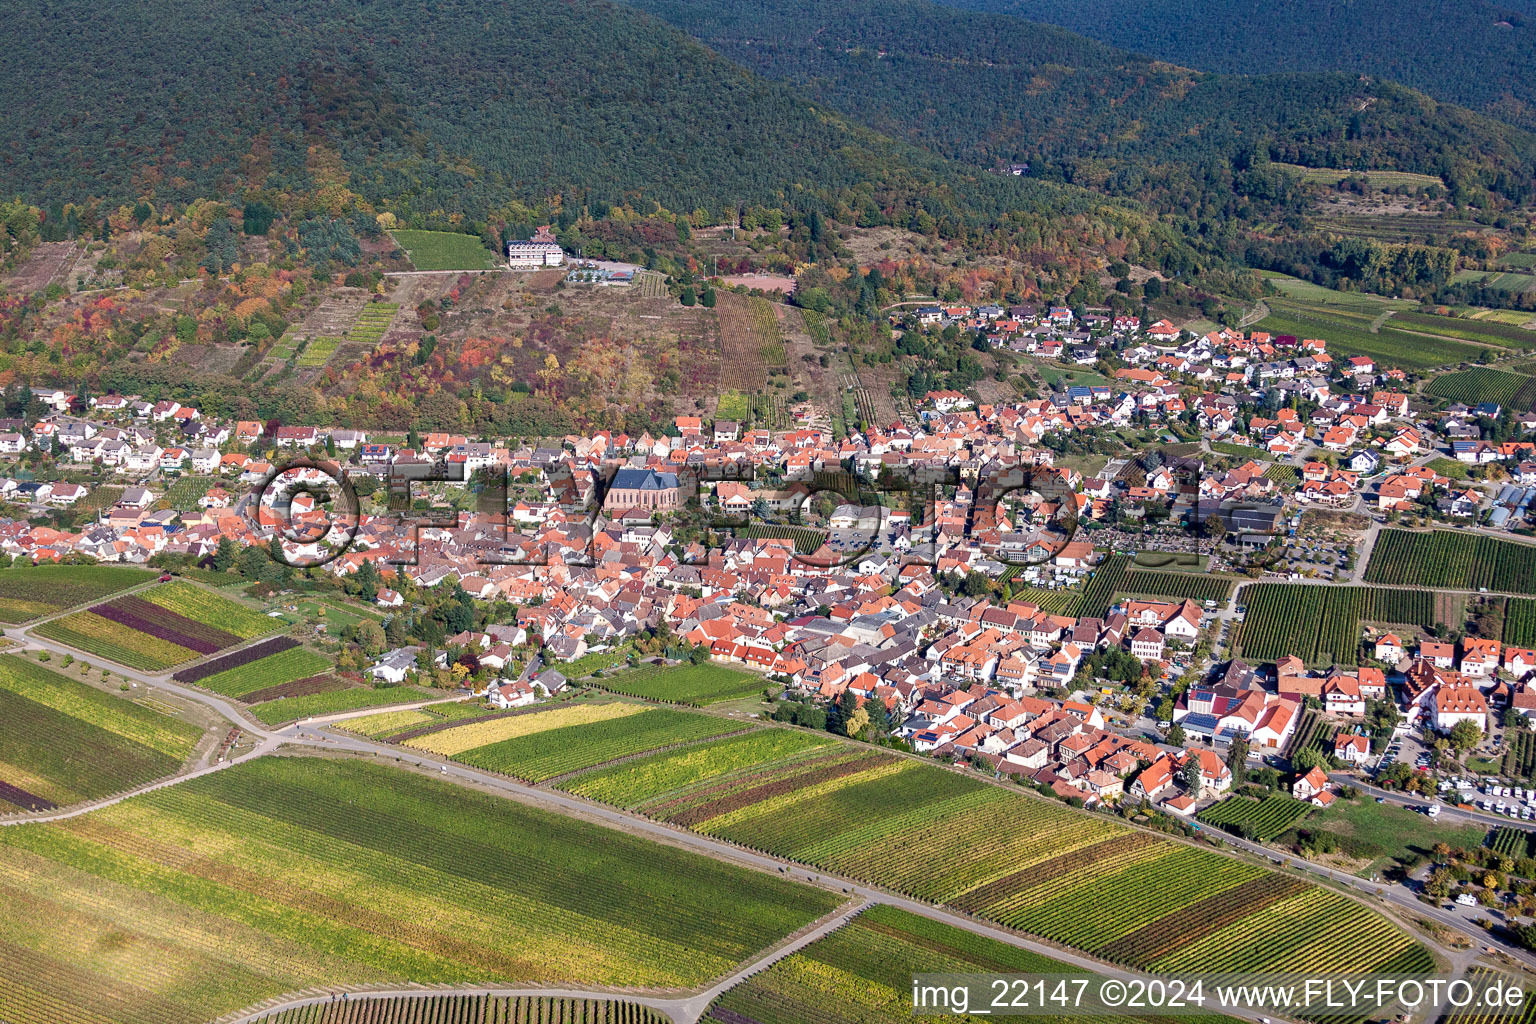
(995, 89)
(1478, 53)
(432, 109)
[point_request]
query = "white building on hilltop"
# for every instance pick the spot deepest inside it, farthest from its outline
(538, 252)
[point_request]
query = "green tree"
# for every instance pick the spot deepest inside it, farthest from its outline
(1237, 760)
(688, 297)
(1465, 735)
(1191, 775)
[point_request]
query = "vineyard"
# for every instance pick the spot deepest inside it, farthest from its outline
(696, 685)
(1482, 384)
(807, 538)
(256, 669)
(1178, 585)
(372, 321)
(637, 781)
(1500, 1015)
(326, 695)
(1520, 622)
(547, 747)
(945, 837)
(1508, 841)
(1316, 732)
(30, 592)
(477, 1009)
(1321, 624)
(64, 742)
(1453, 561)
(318, 351)
(186, 492)
(1519, 755)
(194, 901)
(862, 973)
(1260, 820)
(1107, 580)
(162, 627)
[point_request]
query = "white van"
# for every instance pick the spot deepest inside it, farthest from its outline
(1433, 810)
(1466, 899)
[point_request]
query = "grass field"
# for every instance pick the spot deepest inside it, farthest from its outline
(34, 591)
(64, 742)
(445, 250)
(1383, 834)
(193, 901)
(992, 852)
(697, 685)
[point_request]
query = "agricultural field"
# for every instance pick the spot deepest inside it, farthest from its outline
(1177, 585)
(1510, 841)
(1481, 384)
(548, 744)
(1486, 332)
(1375, 179)
(1350, 334)
(33, 591)
(164, 626)
(186, 492)
(254, 670)
(1519, 761)
(862, 973)
(1316, 732)
(199, 899)
(697, 685)
(1241, 451)
(807, 538)
(318, 351)
(950, 838)
(445, 250)
(65, 742)
(636, 782)
(1322, 624)
(1107, 581)
(1259, 820)
(433, 1008)
(1499, 280)
(1452, 560)
(1520, 622)
(328, 694)
(372, 321)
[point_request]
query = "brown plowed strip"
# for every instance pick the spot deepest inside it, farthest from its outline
(977, 900)
(26, 801)
(747, 797)
(1183, 927)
